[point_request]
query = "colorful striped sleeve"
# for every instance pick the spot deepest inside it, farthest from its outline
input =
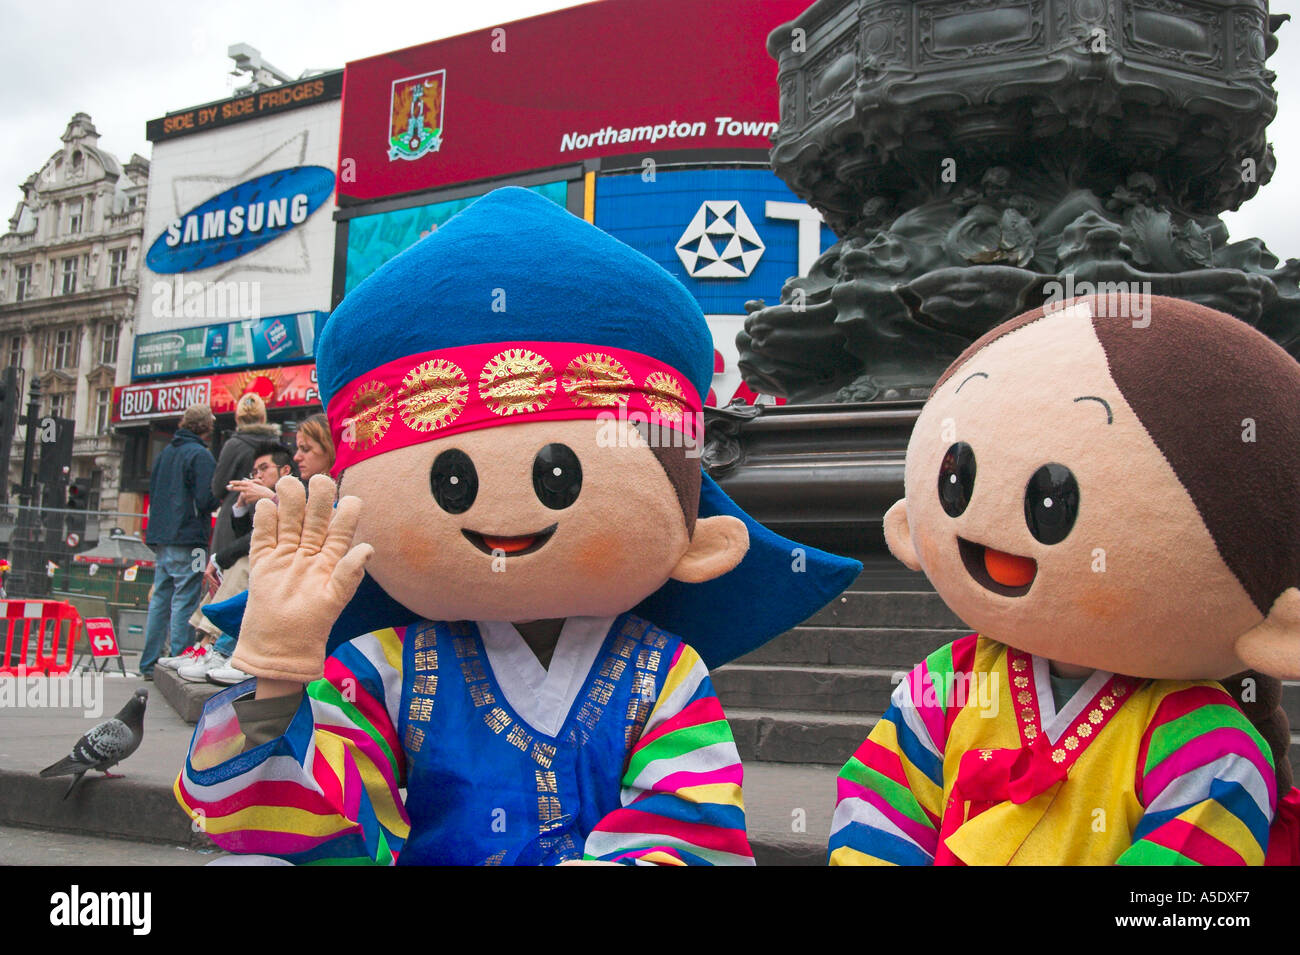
(1206, 781)
(890, 792)
(681, 797)
(327, 790)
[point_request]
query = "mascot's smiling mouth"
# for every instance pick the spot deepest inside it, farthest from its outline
(509, 546)
(1006, 574)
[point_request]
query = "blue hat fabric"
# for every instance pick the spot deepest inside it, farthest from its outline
(514, 267)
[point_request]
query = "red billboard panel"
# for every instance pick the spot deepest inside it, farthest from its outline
(601, 79)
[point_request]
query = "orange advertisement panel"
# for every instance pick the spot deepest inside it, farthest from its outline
(289, 386)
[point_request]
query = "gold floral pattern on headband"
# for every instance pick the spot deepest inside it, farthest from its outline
(432, 395)
(370, 415)
(517, 381)
(597, 380)
(665, 395)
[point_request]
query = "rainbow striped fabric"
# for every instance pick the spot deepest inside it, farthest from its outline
(1175, 775)
(681, 796)
(330, 790)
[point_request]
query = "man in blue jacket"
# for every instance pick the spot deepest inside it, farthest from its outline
(180, 522)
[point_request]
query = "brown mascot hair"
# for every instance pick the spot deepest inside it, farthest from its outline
(1222, 404)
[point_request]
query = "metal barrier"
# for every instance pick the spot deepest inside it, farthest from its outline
(68, 551)
(40, 636)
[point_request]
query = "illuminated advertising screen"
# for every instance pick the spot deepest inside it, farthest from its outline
(238, 229)
(601, 79)
(729, 235)
(374, 239)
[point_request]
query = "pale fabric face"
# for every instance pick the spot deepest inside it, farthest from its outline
(1137, 587)
(614, 546)
(310, 458)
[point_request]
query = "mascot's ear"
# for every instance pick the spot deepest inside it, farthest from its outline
(1273, 646)
(898, 535)
(717, 546)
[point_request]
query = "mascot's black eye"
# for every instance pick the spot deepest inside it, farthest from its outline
(1051, 503)
(557, 476)
(957, 478)
(454, 481)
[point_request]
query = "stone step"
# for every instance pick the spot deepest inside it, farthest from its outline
(835, 646)
(788, 811)
(828, 689)
(889, 608)
(791, 736)
(185, 698)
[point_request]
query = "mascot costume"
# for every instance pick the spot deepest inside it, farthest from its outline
(511, 611)
(1112, 499)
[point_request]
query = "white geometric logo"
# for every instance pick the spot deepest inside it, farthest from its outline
(720, 242)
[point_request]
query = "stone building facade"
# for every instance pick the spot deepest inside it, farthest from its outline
(69, 268)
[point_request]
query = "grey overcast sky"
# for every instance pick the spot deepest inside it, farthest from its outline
(132, 60)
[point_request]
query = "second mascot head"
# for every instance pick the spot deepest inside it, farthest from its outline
(1115, 494)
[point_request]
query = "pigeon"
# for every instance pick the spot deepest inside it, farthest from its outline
(107, 743)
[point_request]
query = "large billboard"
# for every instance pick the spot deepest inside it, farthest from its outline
(601, 79)
(238, 226)
(374, 239)
(729, 235)
(275, 339)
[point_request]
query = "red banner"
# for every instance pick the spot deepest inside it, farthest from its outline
(609, 78)
(289, 386)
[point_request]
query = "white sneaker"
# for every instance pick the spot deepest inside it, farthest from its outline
(188, 655)
(197, 672)
(228, 675)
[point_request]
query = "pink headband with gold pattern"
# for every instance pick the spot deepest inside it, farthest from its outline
(421, 397)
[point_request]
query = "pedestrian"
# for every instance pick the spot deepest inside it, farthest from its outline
(180, 506)
(235, 462)
(315, 454)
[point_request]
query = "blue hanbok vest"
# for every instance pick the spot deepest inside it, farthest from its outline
(486, 788)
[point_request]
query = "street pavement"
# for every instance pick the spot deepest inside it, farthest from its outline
(40, 847)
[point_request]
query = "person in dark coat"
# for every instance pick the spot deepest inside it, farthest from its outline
(181, 503)
(236, 461)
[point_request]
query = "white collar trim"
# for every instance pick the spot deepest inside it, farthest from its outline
(1055, 724)
(543, 697)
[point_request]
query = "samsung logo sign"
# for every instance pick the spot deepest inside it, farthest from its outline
(240, 220)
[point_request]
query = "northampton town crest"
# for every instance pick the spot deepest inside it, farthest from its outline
(415, 115)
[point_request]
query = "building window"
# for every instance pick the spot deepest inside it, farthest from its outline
(116, 267)
(64, 348)
(96, 489)
(103, 409)
(108, 345)
(24, 274)
(61, 406)
(78, 161)
(16, 351)
(69, 275)
(74, 218)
